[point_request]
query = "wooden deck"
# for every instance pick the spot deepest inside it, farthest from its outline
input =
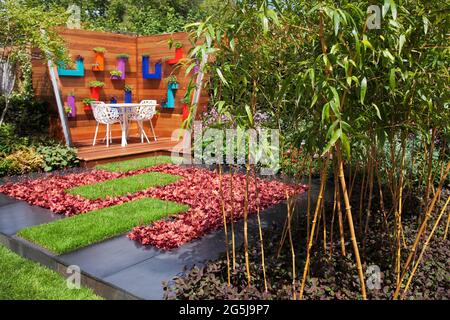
(93, 155)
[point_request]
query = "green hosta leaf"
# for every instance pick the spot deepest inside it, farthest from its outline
(363, 89)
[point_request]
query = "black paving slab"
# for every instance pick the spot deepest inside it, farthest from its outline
(17, 215)
(5, 200)
(129, 269)
(110, 256)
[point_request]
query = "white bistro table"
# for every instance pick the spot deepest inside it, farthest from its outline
(124, 109)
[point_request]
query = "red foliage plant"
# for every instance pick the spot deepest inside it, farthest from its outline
(199, 189)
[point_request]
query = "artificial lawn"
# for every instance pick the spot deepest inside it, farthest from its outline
(21, 279)
(135, 164)
(123, 186)
(68, 234)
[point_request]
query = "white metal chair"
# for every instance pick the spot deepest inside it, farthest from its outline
(107, 115)
(145, 111)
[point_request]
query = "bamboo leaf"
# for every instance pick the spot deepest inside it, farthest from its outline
(392, 81)
(393, 6)
(401, 42)
(426, 24)
(345, 144)
(221, 76)
(336, 135)
(249, 114)
(337, 21)
(363, 89)
(377, 110)
(326, 112)
(386, 6)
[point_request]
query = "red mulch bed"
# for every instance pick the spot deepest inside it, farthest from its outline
(199, 189)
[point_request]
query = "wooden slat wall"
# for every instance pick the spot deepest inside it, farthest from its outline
(81, 42)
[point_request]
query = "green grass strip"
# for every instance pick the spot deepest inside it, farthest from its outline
(135, 164)
(68, 234)
(22, 279)
(123, 186)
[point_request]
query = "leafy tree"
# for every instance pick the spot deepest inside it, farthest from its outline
(24, 27)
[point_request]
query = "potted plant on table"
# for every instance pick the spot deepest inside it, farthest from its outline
(95, 87)
(128, 93)
(115, 74)
(99, 64)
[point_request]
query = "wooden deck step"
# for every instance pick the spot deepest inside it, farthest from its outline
(92, 155)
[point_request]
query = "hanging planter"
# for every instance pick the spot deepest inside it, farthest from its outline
(157, 74)
(87, 104)
(71, 106)
(128, 94)
(95, 87)
(99, 64)
(121, 63)
(178, 54)
(77, 71)
(116, 74)
(172, 86)
(185, 108)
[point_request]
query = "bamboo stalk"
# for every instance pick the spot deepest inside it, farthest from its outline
(308, 211)
(333, 214)
(399, 216)
(224, 225)
(446, 226)
(290, 207)
(424, 248)
(233, 238)
(348, 211)
(247, 260)
(261, 240)
(369, 205)
(339, 211)
(421, 230)
(313, 227)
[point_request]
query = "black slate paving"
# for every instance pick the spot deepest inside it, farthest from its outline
(123, 263)
(110, 256)
(16, 215)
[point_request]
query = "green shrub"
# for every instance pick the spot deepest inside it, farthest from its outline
(28, 116)
(57, 157)
(9, 141)
(23, 161)
(5, 165)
